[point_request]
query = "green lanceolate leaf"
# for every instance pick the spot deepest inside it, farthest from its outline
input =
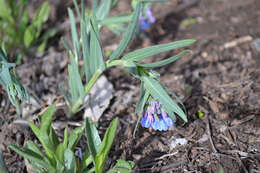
(75, 136)
(69, 161)
(28, 36)
(105, 146)
(93, 137)
(116, 19)
(122, 167)
(75, 81)
(31, 155)
(32, 146)
(5, 11)
(166, 61)
(144, 53)
(128, 35)
(103, 9)
(96, 56)
(77, 8)
(74, 35)
(53, 138)
(41, 15)
(46, 118)
(85, 37)
(66, 137)
(157, 91)
(60, 152)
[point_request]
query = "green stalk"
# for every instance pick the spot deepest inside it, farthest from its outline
(18, 108)
(92, 82)
(87, 89)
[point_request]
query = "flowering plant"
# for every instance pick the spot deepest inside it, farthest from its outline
(94, 63)
(155, 107)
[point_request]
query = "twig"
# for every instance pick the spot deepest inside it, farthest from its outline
(209, 136)
(166, 155)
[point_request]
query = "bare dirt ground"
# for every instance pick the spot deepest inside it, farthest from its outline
(220, 78)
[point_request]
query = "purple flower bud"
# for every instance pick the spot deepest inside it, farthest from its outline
(150, 15)
(144, 24)
(146, 120)
(152, 106)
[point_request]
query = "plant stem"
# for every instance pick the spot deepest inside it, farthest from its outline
(87, 89)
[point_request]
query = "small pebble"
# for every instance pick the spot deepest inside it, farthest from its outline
(178, 142)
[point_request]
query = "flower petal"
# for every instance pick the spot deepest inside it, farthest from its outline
(144, 25)
(145, 123)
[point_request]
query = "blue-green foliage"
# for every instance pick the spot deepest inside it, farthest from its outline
(18, 32)
(9, 81)
(88, 42)
(59, 156)
(86, 45)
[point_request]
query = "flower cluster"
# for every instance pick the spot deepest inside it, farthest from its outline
(146, 19)
(156, 117)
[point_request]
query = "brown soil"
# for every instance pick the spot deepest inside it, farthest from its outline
(220, 78)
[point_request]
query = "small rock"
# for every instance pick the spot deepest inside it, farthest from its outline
(98, 99)
(178, 142)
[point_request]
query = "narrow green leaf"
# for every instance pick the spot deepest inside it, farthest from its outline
(74, 35)
(32, 146)
(128, 35)
(69, 161)
(144, 53)
(66, 45)
(86, 161)
(157, 91)
(103, 9)
(29, 154)
(116, 19)
(72, 85)
(35, 129)
(5, 11)
(66, 97)
(53, 138)
(93, 137)
(75, 136)
(106, 144)
(166, 61)
(60, 152)
(48, 146)
(77, 8)
(41, 15)
(122, 167)
(28, 36)
(176, 97)
(96, 56)
(66, 137)
(75, 79)
(85, 36)
(46, 118)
